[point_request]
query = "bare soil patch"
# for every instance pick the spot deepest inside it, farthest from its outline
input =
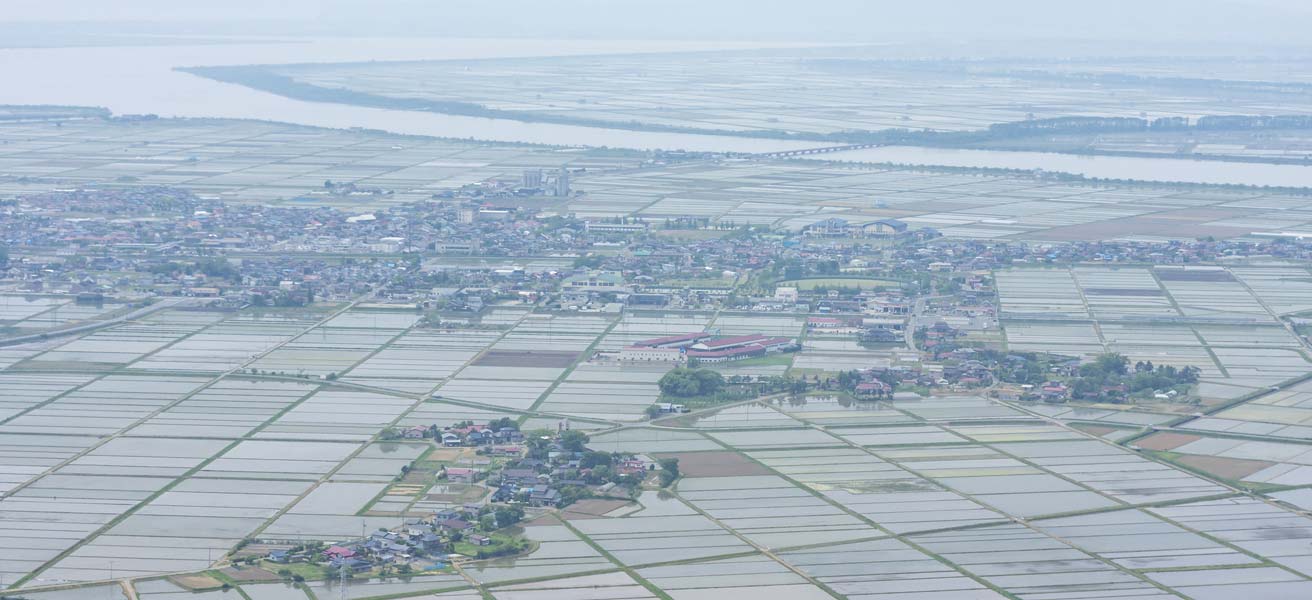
(542, 521)
(715, 464)
(591, 509)
(457, 493)
(196, 582)
(1225, 468)
(1166, 440)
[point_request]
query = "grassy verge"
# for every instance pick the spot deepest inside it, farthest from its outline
(502, 545)
(777, 358)
(702, 402)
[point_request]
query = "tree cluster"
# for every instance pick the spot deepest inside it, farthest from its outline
(1109, 374)
(669, 471)
(688, 383)
(572, 441)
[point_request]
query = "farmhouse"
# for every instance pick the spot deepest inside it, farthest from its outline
(463, 474)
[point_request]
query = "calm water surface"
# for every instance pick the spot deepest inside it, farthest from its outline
(1104, 167)
(141, 79)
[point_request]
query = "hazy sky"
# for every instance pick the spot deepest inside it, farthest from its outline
(1281, 21)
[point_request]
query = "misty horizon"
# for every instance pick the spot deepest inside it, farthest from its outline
(1218, 22)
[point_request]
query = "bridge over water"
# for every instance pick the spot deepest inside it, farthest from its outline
(825, 150)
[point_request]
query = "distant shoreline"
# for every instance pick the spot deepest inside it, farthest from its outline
(1000, 137)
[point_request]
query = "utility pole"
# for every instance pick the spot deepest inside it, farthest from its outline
(342, 593)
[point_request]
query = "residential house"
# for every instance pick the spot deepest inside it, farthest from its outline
(504, 493)
(338, 552)
(463, 474)
(445, 514)
(430, 542)
(453, 524)
(507, 450)
(544, 495)
(519, 476)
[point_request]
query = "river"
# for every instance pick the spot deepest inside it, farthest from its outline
(1102, 167)
(142, 79)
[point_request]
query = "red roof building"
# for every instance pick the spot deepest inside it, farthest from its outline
(339, 552)
(725, 343)
(673, 341)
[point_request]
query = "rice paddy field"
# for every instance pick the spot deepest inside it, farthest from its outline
(35, 312)
(952, 497)
(282, 164)
(286, 165)
(957, 204)
(134, 458)
(1227, 322)
(266, 163)
(155, 445)
(151, 448)
(1258, 442)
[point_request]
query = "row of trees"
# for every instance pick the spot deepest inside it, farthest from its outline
(210, 267)
(706, 384)
(848, 380)
(539, 442)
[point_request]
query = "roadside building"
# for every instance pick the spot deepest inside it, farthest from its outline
(646, 354)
